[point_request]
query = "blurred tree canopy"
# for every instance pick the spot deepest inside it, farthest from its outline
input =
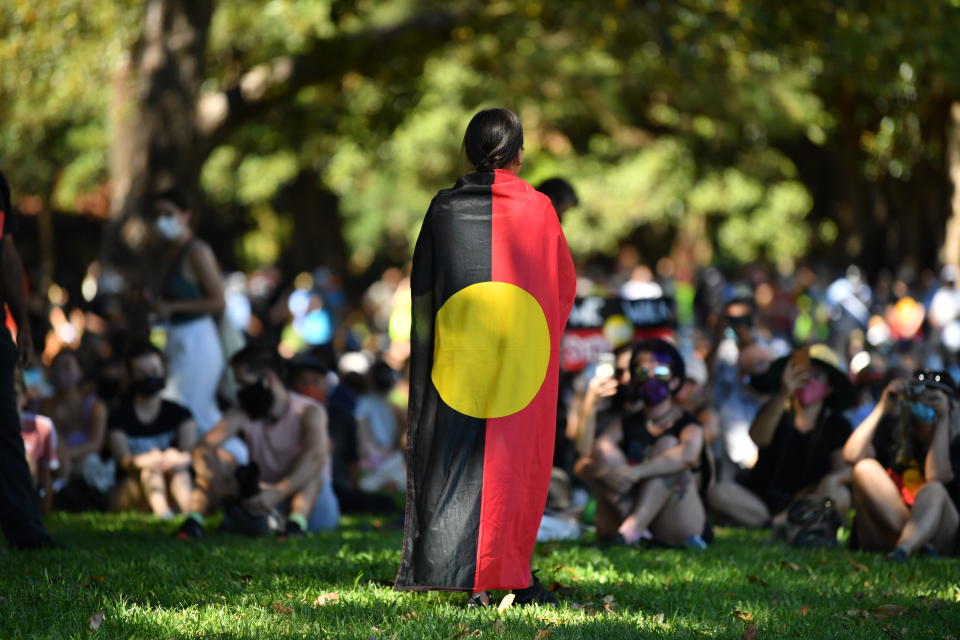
(316, 131)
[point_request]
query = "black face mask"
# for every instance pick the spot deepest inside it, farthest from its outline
(256, 400)
(149, 386)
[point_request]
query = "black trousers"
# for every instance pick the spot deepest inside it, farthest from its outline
(19, 505)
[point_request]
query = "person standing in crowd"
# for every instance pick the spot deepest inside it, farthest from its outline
(19, 508)
(902, 467)
(290, 470)
(800, 434)
(561, 193)
(647, 467)
(151, 439)
(493, 284)
(191, 296)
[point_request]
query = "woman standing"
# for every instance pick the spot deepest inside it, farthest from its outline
(492, 286)
(191, 294)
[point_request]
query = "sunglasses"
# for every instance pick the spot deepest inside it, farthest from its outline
(659, 372)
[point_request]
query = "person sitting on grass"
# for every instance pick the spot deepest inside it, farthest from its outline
(645, 467)
(150, 438)
(901, 467)
(286, 434)
(41, 446)
(800, 434)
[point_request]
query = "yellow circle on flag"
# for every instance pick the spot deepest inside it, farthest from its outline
(491, 350)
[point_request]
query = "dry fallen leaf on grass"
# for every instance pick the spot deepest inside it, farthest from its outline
(543, 633)
(888, 611)
(750, 632)
(326, 598)
(804, 610)
(862, 568)
(659, 618)
(96, 620)
(282, 609)
(743, 615)
(506, 602)
(498, 626)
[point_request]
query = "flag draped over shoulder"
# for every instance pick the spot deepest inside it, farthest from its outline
(492, 285)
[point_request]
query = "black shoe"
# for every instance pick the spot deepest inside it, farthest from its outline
(237, 520)
(536, 593)
(293, 530)
(38, 544)
(899, 554)
(191, 529)
(616, 540)
(927, 551)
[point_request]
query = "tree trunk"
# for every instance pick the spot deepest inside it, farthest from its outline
(950, 252)
(156, 142)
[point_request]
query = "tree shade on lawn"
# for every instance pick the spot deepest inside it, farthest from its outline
(149, 585)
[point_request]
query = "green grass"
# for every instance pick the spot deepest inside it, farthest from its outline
(152, 586)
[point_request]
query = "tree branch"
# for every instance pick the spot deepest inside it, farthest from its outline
(405, 46)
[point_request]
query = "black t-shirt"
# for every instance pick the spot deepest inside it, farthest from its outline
(8, 226)
(793, 460)
(160, 434)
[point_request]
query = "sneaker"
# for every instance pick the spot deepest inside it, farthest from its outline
(293, 530)
(536, 593)
(191, 529)
(238, 520)
(899, 554)
(695, 542)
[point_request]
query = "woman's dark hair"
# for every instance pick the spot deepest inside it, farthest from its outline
(257, 360)
(174, 196)
(493, 139)
(140, 349)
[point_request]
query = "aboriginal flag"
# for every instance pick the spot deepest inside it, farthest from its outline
(492, 284)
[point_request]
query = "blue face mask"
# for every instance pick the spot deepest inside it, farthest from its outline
(922, 412)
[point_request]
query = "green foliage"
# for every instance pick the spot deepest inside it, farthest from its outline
(151, 585)
(691, 114)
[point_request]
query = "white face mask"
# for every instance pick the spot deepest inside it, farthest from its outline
(169, 227)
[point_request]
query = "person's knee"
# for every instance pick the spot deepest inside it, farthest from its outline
(932, 492)
(865, 471)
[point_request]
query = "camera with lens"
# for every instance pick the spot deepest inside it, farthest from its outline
(915, 390)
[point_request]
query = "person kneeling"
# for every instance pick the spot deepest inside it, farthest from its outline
(150, 438)
(286, 435)
(645, 467)
(902, 466)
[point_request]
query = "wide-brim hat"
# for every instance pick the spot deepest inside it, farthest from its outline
(656, 345)
(844, 394)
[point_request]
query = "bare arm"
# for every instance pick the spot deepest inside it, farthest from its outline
(187, 435)
(207, 272)
(765, 424)
(585, 425)
(860, 443)
(686, 455)
(97, 436)
(937, 466)
(119, 448)
(230, 425)
(17, 298)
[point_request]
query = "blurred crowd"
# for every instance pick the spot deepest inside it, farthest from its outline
(820, 405)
